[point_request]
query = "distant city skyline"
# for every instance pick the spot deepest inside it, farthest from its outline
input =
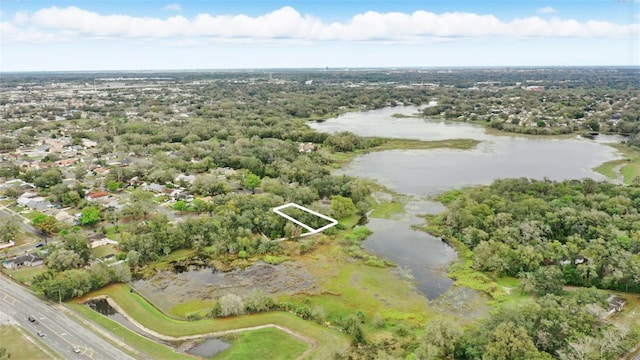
(64, 35)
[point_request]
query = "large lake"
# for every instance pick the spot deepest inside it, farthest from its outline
(428, 172)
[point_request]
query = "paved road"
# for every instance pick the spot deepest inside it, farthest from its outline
(7, 213)
(26, 226)
(60, 333)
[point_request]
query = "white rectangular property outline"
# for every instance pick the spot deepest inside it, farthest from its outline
(332, 221)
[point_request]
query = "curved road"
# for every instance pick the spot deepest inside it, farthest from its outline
(24, 223)
(60, 333)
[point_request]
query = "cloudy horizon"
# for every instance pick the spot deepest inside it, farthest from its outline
(186, 35)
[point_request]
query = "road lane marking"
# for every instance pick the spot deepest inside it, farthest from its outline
(87, 351)
(10, 299)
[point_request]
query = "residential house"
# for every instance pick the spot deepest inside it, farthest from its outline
(24, 199)
(115, 205)
(135, 181)
(94, 243)
(17, 183)
(23, 260)
(101, 171)
(39, 203)
(96, 195)
(581, 259)
(89, 143)
(64, 217)
(183, 195)
(188, 178)
(69, 182)
(153, 187)
(67, 162)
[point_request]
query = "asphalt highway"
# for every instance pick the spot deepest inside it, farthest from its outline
(60, 333)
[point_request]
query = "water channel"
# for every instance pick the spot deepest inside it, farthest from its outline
(427, 172)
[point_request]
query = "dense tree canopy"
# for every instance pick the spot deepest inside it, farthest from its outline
(587, 231)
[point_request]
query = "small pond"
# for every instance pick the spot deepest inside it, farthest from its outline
(102, 306)
(209, 348)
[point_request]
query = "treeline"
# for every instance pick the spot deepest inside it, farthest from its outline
(69, 274)
(549, 327)
(576, 77)
(241, 225)
(548, 234)
(588, 232)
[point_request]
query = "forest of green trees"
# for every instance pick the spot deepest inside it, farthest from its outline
(548, 234)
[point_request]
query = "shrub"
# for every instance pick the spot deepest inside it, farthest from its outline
(216, 311)
(304, 312)
(231, 305)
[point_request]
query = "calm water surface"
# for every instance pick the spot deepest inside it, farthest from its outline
(428, 172)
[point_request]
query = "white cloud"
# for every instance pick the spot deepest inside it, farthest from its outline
(20, 18)
(13, 34)
(546, 10)
(286, 25)
(172, 7)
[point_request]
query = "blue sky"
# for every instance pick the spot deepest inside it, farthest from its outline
(60, 35)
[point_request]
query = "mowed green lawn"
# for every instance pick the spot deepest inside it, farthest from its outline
(144, 347)
(22, 346)
(329, 341)
(26, 273)
(248, 344)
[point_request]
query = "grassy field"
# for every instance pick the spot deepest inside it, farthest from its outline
(386, 209)
(192, 307)
(631, 171)
(22, 345)
(329, 341)
(628, 167)
(348, 286)
(164, 262)
(16, 208)
(7, 202)
(110, 232)
(350, 221)
(25, 274)
(341, 159)
(104, 250)
(150, 349)
(608, 169)
(409, 144)
(270, 343)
